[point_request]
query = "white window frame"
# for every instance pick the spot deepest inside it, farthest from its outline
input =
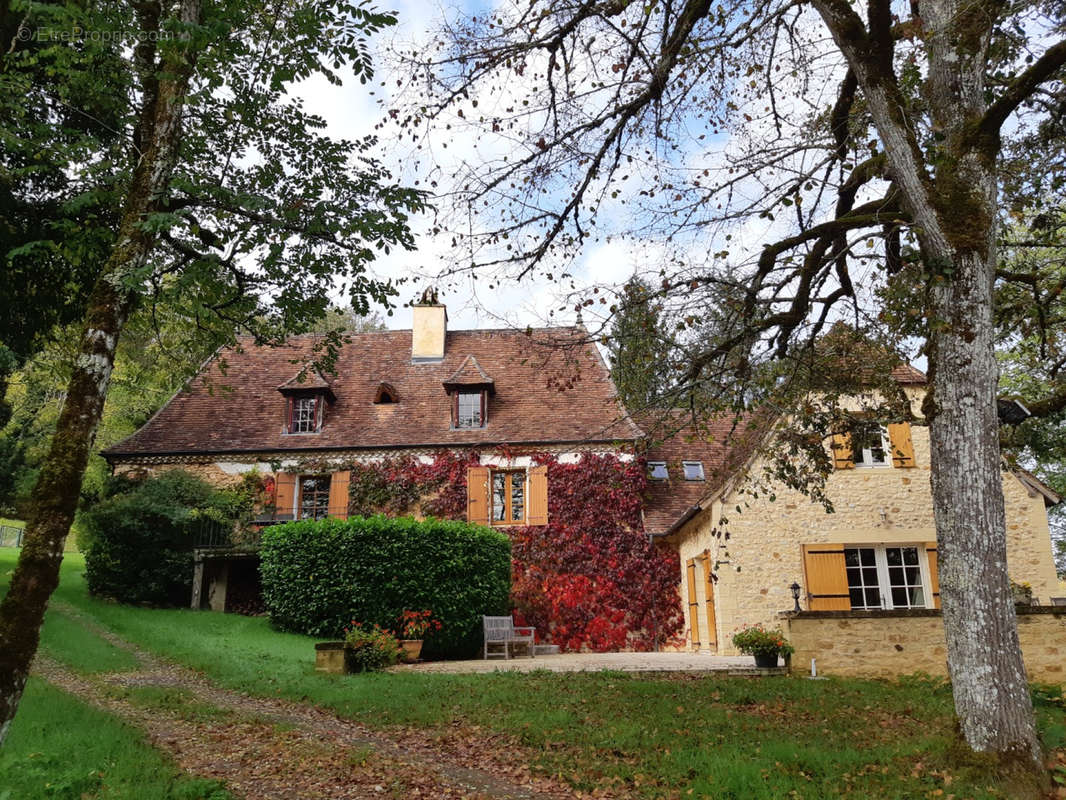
(296, 421)
(883, 585)
(698, 465)
(652, 466)
(867, 453)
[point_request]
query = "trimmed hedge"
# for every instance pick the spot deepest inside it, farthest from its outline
(320, 576)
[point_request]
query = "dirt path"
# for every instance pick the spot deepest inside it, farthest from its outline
(272, 748)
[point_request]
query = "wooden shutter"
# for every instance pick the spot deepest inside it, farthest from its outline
(708, 594)
(477, 495)
(842, 451)
(338, 494)
(693, 604)
(934, 573)
(826, 576)
(899, 437)
(284, 495)
(537, 499)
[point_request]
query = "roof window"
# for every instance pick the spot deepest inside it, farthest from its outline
(693, 470)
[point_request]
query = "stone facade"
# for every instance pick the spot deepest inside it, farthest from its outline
(756, 554)
(887, 644)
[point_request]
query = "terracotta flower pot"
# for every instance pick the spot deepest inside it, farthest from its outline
(412, 649)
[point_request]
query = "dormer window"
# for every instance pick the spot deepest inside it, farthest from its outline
(305, 414)
(470, 389)
(469, 409)
(306, 395)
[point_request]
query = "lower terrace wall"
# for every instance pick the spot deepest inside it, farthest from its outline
(888, 644)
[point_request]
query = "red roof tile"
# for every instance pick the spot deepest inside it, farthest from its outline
(551, 386)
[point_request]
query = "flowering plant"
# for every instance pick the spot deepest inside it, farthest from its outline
(755, 640)
(415, 624)
(367, 649)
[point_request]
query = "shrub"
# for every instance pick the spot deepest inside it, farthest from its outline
(756, 641)
(369, 649)
(317, 576)
(139, 539)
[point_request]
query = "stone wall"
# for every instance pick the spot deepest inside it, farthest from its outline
(757, 552)
(887, 644)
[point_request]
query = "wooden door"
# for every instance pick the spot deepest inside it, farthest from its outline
(708, 602)
(693, 604)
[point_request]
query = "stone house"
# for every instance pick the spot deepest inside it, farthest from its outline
(876, 553)
(494, 396)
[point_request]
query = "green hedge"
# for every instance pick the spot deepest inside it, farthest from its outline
(319, 576)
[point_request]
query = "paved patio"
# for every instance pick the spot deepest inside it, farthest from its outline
(595, 662)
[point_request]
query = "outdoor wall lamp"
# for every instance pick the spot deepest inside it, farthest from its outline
(795, 587)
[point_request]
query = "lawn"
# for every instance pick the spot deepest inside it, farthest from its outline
(679, 736)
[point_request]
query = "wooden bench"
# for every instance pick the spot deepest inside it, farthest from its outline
(501, 631)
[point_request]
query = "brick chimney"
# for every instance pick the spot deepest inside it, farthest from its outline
(429, 325)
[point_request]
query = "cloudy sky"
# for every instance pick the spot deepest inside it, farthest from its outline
(352, 110)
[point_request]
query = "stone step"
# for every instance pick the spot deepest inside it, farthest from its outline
(545, 650)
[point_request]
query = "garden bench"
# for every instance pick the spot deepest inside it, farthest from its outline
(502, 631)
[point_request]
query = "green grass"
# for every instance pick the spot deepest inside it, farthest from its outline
(659, 736)
(61, 749)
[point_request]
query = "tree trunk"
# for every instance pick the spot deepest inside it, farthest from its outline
(988, 677)
(55, 495)
(955, 219)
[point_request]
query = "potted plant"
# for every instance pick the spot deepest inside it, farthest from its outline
(765, 645)
(369, 648)
(413, 627)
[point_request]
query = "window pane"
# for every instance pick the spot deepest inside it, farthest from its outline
(873, 598)
(856, 598)
(910, 555)
(314, 497)
(869, 576)
(499, 496)
(657, 470)
(893, 556)
(899, 597)
(469, 415)
(518, 492)
(693, 470)
(303, 415)
(851, 557)
(917, 594)
(868, 559)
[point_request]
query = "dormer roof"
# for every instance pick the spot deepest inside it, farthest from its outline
(308, 379)
(470, 375)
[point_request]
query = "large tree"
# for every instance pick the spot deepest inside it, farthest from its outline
(800, 163)
(232, 208)
(638, 348)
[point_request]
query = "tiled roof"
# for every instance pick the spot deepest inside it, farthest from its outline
(551, 387)
(907, 374)
(722, 444)
(469, 373)
(307, 377)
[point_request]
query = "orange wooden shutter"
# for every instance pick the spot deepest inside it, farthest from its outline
(826, 576)
(842, 451)
(693, 604)
(338, 494)
(284, 494)
(477, 495)
(537, 501)
(934, 573)
(899, 436)
(708, 593)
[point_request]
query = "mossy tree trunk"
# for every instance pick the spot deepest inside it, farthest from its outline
(951, 199)
(55, 496)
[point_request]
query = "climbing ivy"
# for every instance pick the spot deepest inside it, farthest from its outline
(590, 579)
